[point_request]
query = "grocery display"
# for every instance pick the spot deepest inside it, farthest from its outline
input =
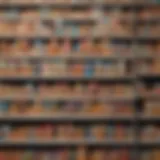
(64, 132)
(79, 80)
(67, 154)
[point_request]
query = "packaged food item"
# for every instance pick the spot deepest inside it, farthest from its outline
(150, 133)
(44, 132)
(18, 133)
(86, 47)
(151, 108)
(4, 107)
(66, 47)
(53, 48)
(99, 132)
(81, 153)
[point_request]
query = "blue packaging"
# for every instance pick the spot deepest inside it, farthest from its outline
(89, 69)
(4, 106)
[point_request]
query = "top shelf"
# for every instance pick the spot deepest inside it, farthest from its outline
(77, 5)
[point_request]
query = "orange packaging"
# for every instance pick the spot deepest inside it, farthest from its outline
(44, 132)
(81, 154)
(86, 47)
(79, 133)
(36, 109)
(98, 48)
(13, 155)
(96, 108)
(53, 48)
(156, 154)
(18, 133)
(22, 47)
(99, 132)
(77, 69)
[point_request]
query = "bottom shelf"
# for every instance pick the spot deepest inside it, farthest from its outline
(77, 143)
(80, 153)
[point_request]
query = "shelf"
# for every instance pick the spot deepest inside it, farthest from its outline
(64, 118)
(76, 5)
(83, 57)
(48, 37)
(149, 119)
(78, 37)
(152, 20)
(88, 143)
(72, 37)
(149, 145)
(39, 5)
(66, 78)
(149, 77)
(130, 44)
(72, 56)
(33, 97)
(84, 20)
(56, 143)
(135, 38)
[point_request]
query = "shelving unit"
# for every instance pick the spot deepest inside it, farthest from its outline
(135, 78)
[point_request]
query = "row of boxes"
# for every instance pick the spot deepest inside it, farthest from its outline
(77, 48)
(61, 1)
(62, 108)
(151, 66)
(64, 47)
(49, 132)
(89, 68)
(61, 89)
(75, 132)
(62, 15)
(61, 68)
(48, 28)
(80, 153)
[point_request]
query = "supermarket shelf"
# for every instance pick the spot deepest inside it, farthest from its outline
(52, 4)
(151, 144)
(135, 38)
(151, 20)
(67, 78)
(76, 56)
(83, 20)
(72, 37)
(148, 119)
(75, 143)
(149, 77)
(73, 5)
(47, 37)
(33, 97)
(137, 120)
(72, 56)
(77, 37)
(78, 118)
(67, 143)
(64, 118)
